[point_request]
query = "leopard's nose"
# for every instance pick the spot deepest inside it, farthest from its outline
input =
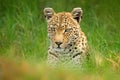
(58, 43)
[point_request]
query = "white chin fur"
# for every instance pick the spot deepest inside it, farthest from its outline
(59, 49)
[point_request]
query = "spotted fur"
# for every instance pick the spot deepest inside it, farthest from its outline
(68, 42)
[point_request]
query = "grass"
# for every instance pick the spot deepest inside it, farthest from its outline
(24, 42)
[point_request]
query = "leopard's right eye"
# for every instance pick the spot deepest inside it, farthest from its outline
(53, 29)
(67, 30)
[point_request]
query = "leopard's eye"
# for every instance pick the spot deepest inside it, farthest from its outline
(67, 30)
(53, 29)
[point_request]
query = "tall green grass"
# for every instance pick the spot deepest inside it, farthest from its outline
(23, 31)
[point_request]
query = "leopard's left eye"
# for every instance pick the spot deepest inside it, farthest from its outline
(53, 29)
(67, 30)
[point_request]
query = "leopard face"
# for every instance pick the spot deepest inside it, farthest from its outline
(63, 28)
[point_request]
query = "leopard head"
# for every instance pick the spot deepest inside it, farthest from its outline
(63, 27)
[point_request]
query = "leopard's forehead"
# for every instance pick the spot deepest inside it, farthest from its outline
(62, 19)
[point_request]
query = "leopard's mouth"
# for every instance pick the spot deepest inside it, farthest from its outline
(59, 49)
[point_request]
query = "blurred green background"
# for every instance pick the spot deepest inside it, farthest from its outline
(23, 29)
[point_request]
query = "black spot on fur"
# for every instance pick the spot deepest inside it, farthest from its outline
(75, 47)
(83, 48)
(53, 54)
(82, 43)
(77, 54)
(74, 43)
(83, 39)
(70, 44)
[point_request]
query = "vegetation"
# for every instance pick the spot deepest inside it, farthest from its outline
(24, 42)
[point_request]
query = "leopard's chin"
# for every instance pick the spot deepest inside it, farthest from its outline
(58, 49)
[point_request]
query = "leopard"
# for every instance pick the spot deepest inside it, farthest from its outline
(68, 43)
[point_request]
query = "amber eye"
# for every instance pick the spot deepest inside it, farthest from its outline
(53, 29)
(67, 30)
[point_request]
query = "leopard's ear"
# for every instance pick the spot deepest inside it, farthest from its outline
(48, 13)
(77, 14)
